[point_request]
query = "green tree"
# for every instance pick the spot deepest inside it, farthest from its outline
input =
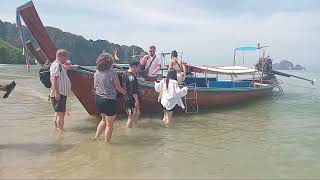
(10, 54)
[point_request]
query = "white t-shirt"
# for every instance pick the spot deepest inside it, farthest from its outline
(154, 65)
(57, 69)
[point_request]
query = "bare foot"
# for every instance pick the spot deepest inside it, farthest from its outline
(60, 131)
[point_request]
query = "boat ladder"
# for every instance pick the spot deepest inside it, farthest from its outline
(191, 99)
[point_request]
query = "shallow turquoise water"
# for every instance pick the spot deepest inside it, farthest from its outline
(273, 137)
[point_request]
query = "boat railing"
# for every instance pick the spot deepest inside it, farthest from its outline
(191, 99)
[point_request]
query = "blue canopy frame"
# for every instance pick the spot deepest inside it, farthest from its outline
(244, 48)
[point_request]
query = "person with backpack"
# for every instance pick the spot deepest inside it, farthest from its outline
(177, 64)
(150, 65)
(60, 87)
(8, 89)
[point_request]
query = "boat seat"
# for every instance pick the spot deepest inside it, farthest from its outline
(229, 84)
(200, 82)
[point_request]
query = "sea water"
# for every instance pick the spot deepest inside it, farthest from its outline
(277, 136)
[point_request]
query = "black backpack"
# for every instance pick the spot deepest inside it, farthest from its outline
(44, 74)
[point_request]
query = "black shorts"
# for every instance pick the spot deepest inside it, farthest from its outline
(130, 106)
(173, 109)
(59, 106)
(106, 106)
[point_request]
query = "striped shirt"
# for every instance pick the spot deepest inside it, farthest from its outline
(57, 69)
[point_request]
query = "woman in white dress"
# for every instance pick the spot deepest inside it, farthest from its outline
(170, 94)
(177, 64)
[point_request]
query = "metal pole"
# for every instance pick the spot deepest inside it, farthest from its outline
(234, 58)
(242, 57)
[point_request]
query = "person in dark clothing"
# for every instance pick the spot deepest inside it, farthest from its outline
(7, 88)
(130, 85)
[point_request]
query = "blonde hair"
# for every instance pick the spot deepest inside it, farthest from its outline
(104, 62)
(61, 53)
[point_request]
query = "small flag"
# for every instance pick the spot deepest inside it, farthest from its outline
(18, 20)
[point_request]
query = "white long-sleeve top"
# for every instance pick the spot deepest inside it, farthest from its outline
(172, 96)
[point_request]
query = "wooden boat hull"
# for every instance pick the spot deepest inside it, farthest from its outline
(82, 86)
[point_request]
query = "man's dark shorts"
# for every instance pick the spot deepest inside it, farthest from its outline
(59, 106)
(130, 106)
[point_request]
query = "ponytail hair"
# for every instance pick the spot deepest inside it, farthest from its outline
(172, 74)
(174, 54)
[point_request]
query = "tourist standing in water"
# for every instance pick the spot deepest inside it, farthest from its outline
(177, 64)
(7, 88)
(170, 94)
(106, 84)
(61, 87)
(130, 84)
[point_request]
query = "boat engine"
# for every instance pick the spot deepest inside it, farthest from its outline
(265, 66)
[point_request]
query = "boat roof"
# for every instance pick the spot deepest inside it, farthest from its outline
(122, 65)
(231, 70)
(214, 70)
(246, 48)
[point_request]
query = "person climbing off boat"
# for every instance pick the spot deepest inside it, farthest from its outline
(170, 94)
(150, 65)
(177, 64)
(106, 85)
(130, 85)
(8, 89)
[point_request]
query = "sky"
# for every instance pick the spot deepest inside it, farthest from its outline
(206, 31)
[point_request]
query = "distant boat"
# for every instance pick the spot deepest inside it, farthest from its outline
(204, 92)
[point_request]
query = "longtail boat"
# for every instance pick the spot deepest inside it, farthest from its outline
(204, 92)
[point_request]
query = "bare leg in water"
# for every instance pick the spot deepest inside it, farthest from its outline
(131, 119)
(164, 116)
(55, 116)
(102, 126)
(60, 120)
(109, 128)
(138, 113)
(168, 117)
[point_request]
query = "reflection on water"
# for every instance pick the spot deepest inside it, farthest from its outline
(272, 137)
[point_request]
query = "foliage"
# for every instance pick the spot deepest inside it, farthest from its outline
(81, 50)
(10, 54)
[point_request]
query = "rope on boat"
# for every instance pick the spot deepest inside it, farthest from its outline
(276, 84)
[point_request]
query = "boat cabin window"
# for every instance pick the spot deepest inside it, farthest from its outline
(199, 81)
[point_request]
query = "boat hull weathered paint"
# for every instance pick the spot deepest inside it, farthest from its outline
(33, 22)
(82, 87)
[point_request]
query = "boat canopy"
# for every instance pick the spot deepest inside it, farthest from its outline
(231, 70)
(247, 48)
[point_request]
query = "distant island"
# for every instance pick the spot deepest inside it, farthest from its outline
(82, 51)
(287, 65)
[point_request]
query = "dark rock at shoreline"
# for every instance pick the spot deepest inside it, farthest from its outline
(287, 65)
